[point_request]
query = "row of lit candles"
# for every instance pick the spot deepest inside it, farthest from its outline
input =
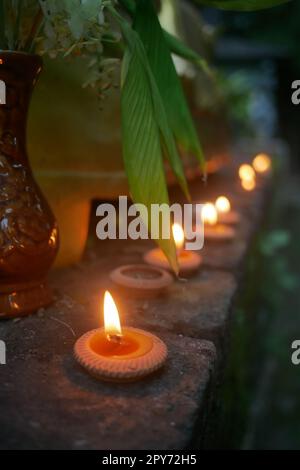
(261, 164)
(124, 354)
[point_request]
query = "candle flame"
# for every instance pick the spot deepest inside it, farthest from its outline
(209, 214)
(112, 324)
(248, 185)
(262, 163)
(178, 235)
(223, 204)
(246, 172)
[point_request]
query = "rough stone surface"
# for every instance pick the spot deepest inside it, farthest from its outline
(51, 403)
(181, 312)
(47, 401)
(199, 307)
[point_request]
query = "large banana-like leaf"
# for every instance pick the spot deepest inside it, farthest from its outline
(153, 37)
(182, 50)
(175, 45)
(142, 129)
(242, 5)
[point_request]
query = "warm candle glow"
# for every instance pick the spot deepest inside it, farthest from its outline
(223, 204)
(248, 185)
(262, 163)
(209, 214)
(246, 172)
(112, 324)
(178, 235)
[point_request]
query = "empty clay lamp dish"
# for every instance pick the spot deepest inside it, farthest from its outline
(119, 354)
(141, 280)
(188, 261)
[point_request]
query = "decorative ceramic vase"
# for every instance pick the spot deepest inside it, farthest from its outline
(28, 230)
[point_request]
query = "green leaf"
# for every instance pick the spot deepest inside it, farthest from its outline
(152, 35)
(175, 45)
(242, 5)
(274, 241)
(179, 48)
(129, 5)
(141, 133)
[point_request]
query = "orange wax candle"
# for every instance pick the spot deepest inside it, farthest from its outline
(115, 354)
(262, 163)
(248, 177)
(188, 261)
(225, 214)
(219, 232)
(248, 185)
(213, 230)
(246, 172)
(131, 344)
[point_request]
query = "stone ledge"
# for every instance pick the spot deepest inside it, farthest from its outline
(50, 403)
(199, 307)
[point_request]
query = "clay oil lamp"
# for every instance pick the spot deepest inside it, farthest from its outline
(141, 280)
(213, 229)
(225, 213)
(188, 261)
(248, 177)
(119, 354)
(262, 164)
(248, 185)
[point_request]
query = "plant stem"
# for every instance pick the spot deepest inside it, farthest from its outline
(37, 23)
(19, 9)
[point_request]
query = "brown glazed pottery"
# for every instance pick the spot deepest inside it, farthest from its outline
(28, 230)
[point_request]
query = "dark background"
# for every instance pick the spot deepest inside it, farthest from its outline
(262, 48)
(267, 38)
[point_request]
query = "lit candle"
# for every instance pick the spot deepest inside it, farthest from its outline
(120, 354)
(209, 214)
(225, 213)
(178, 235)
(262, 163)
(248, 185)
(247, 176)
(246, 172)
(141, 280)
(188, 261)
(213, 229)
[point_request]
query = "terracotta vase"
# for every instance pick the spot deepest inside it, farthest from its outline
(28, 230)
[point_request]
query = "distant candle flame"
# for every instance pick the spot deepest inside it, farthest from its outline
(223, 204)
(178, 235)
(112, 324)
(262, 163)
(248, 185)
(246, 172)
(209, 214)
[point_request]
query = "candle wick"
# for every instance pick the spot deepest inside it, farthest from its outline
(116, 338)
